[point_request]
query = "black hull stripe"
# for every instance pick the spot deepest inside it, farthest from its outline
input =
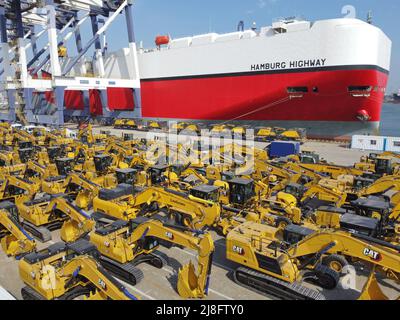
(285, 71)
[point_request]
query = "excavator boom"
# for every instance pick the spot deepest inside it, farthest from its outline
(14, 239)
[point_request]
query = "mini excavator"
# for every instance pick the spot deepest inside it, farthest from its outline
(67, 272)
(125, 244)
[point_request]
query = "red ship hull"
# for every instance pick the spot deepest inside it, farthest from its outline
(265, 96)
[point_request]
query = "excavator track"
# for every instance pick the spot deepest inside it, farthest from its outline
(28, 293)
(268, 285)
(158, 261)
(126, 272)
(41, 233)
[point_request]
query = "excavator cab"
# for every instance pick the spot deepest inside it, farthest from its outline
(361, 183)
(309, 158)
(64, 166)
(54, 153)
(227, 175)
(126, 176)
(373, 207)
(25, 154)
(205, 192)
(241, 190)
(293, 234)
(11, 208)
(296, 190)
(383, 165)
(79, 248)
(102, 162)
(25, 145)
(177, 168)
(81, 156)
(373, 156)
(156, 174)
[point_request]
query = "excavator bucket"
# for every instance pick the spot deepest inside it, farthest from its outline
(188, 284)
(12, 247)
(372, 290)
(9, 245)
(69, 233)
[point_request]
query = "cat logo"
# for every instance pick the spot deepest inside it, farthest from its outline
(374, 255)
(238, 250)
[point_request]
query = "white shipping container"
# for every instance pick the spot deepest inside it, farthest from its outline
(392, 144)
(373, 143)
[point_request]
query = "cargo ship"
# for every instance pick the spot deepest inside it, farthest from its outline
(328, 76)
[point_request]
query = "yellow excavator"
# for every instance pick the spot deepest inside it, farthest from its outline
(123, 203)
(380, 164)
(124, 245)
(125, 124)
(36, 172)
(79, 189)
(381, 186)
(276, 262)
(15, 241)
(53, 212)
(17, 170)
(119, 149)
(86, 136)
(23, 139)
(103, 171)
(6, 136)
(332, 171)
(67, 272)
(13, 188)
(8, 158)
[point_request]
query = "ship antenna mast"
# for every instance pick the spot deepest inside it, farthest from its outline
(240, 26)
(369, 17)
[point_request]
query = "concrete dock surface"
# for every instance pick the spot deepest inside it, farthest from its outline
(161, 284)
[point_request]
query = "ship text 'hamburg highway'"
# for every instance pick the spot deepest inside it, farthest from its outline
(291, 65)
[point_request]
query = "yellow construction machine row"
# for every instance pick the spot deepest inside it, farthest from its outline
(286, 222)
(262, 134)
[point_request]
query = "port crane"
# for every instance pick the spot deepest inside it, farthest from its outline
(41, 84)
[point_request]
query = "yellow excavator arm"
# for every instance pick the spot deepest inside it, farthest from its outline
(14, 239)
(106, 287)
(339, 198)
(190, 285)
(381, 186)
(14, 187)
(87, 189)
(53, 274)
(340, 242)
(79, 222)
(194, 212)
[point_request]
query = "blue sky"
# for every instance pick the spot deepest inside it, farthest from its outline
(187, 17)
